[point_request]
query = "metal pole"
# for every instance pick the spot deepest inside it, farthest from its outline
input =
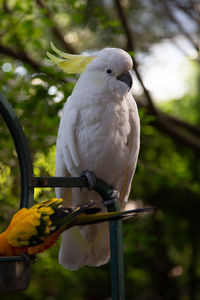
(116, 257)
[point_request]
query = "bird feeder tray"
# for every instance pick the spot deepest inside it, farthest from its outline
(15, 273)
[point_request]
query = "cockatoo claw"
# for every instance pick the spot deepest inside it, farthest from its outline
(114, 197)
(90, 178)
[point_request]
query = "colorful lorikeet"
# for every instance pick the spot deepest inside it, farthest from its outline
(36, 229)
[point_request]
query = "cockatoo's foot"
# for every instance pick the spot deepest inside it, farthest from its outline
(114, 197)
(90, 178)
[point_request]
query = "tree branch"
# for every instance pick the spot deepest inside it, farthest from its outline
(189, 11)
(194, 129)
(162, 123)
(22, 56)
(55, 29)
(123, 19)
(171, 16)
(130, 47)
(27, 60)
(181, 131)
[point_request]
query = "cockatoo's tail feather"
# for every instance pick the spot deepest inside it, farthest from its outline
(70, 63)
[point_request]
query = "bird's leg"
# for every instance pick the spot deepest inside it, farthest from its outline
(114, 197)
(90, 178)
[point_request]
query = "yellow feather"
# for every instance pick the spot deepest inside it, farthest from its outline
(46, 210)
(63, 54)
(70, 63)
(54, 59)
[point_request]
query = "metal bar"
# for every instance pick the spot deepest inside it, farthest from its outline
(100, 186)
(12, 258)
(23, 153)
(59, 182)
(116, 256)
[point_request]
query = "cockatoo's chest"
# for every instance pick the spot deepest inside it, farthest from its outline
(101, 134)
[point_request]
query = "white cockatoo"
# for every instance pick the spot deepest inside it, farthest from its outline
(99, 131)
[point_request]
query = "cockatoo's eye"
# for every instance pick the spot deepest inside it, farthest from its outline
(109, 71)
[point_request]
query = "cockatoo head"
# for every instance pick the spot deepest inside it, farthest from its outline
(111, 69)
(108, 70)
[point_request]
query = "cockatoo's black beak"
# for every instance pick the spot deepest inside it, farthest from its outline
(127, 78)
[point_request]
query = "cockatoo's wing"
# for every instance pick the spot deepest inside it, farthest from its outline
(61, 171)
(134, 146)
(67, 138)
(67, 158)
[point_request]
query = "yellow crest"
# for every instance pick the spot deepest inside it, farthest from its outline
(70, 63)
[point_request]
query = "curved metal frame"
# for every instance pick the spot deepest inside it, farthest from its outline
(23, 153)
